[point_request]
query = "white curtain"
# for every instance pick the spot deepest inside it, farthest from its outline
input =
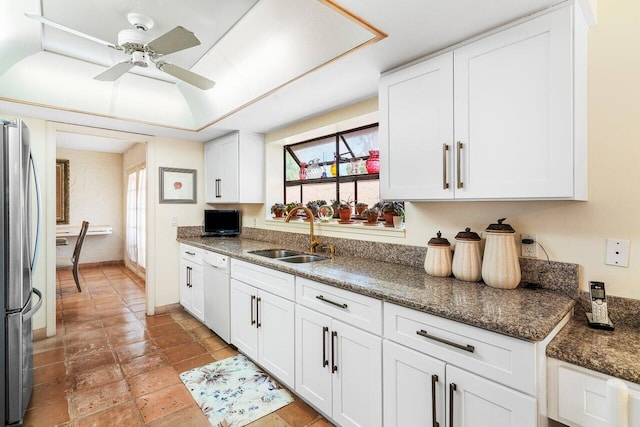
(131, 227)
(141, 218)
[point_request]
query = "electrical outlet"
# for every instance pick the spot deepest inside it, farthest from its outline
(255, 221)
(529, 250)
(174, 221)
(617, 252)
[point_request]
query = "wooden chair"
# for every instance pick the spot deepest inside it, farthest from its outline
(75, 258)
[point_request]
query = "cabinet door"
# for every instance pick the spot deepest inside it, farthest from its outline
(357, 381)
(477, 402)
(416, 131)
(313, 358)
(197, 292)
(514, 111)
(228, 185)
(211, 169)
(410, 379)
(186, 296)
(275, 317)
(244, 333)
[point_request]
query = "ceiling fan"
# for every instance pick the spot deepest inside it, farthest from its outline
(142, 49)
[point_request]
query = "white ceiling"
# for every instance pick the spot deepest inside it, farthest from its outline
(415, 28)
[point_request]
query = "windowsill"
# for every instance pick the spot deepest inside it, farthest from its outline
(333, 226)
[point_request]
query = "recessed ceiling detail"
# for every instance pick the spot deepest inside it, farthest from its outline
(249, 48)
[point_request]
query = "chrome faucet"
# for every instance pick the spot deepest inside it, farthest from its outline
(313, 240)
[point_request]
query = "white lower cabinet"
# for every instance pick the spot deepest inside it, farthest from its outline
(421, 390)
(338, 369)
(585, 398)
(191, 281)
(262, 327)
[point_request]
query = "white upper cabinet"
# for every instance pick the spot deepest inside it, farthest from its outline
(502, 117)
(234, 169)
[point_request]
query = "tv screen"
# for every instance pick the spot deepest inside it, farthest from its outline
(221, 222)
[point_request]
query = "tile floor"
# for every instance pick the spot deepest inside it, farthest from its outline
(110, 365)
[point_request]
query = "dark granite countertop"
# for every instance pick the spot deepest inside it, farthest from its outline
(521, 313)
(615, 353)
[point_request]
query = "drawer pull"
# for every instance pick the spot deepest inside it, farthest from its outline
(258, 312)
(337, 304)
(325, 331)
(434, 380)
(190, 253)
(452, 388)
(467, 347)
(253, 298)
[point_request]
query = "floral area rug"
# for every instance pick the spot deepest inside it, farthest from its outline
(234, 392)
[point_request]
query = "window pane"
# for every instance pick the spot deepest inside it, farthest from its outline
(293, 194)
(361, 141)
(291, 168)
(369, 191)
(322, 150)
(318, 192)
(347, 191)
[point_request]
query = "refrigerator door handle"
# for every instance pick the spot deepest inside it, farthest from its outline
(36, 248)
(29, 314)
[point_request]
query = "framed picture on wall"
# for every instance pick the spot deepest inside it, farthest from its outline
(177, 185)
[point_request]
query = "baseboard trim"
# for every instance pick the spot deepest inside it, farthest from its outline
(163, 309)
(94, 265)
(39, 334)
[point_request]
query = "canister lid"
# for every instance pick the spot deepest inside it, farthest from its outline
(439, 241)
(500, 227)
(467, 234)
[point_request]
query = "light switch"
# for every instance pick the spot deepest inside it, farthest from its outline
(617, 252)
(174, 221)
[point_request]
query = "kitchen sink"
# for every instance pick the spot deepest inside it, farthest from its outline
(276, 253)
(287, 255)
(303, 258)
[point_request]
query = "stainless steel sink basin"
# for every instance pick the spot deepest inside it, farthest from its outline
(303, 258)
(287, 255)
(276, 253)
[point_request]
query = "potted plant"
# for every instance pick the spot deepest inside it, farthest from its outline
(391, 209)
(293, 206)
(372, 215)
(278, 209)
(344, 210)
(360, 207)
(314, 205)
(334, 205)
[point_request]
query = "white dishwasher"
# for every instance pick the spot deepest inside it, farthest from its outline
(216, 294)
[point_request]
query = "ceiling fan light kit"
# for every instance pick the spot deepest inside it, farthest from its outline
(142, 49)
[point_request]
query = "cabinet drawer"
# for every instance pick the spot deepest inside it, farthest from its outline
(274, 281)
(191, 253)
(355, 309)
(500, 358)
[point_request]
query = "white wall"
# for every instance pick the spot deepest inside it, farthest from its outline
(95, 195)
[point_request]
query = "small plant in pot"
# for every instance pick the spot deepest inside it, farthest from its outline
(391, 209)
(344, 210)
(334, 205)
(293, 206)
(360, 207)
(278, 209)
(371, 214)
(314, 206)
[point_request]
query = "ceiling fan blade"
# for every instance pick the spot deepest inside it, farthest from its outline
(177, 39)
(54, 24)
(114, 72)
(187, 76)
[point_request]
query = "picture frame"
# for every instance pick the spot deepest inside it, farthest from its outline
(62, 191)
(178, 185)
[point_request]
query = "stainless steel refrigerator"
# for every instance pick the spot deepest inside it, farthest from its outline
(18, 254)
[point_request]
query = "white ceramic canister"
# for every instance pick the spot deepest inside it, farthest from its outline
(438, 260)
(500, 265)
(467, 261)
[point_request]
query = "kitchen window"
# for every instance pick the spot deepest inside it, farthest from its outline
(333, 167)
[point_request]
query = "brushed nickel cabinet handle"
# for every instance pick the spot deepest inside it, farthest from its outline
(325, 331)
(334, 367)
(337, 304)
(445, 184)
(434, 380)
(452, 388)
(253, 298)
(467, 347)
(459, 164)
(258, 312)
(190, 253)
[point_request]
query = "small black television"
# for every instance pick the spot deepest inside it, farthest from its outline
(221, 222)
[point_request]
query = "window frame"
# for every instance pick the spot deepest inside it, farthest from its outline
(338, 179)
